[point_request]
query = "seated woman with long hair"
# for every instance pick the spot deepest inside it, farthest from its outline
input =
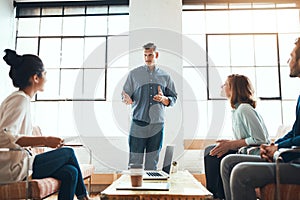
(247, 125)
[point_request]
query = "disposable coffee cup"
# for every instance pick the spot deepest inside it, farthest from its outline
(136, 174)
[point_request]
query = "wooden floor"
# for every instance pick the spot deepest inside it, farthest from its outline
(94, 196)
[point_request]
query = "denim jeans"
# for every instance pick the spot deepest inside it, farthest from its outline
(61, 164)
(145, 138)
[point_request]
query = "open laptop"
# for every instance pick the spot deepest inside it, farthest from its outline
(165, 172)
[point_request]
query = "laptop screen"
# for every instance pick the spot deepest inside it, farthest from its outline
(168, 159)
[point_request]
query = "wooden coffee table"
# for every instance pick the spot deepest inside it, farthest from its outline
(182, 185)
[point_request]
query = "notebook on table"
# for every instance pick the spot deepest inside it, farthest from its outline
(163, 174)
(145, 186)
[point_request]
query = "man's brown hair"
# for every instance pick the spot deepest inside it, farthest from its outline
(297, 43)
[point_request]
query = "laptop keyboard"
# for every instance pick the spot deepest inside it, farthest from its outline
(153, 174)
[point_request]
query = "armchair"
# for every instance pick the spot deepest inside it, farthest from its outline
(277, 190)
(40, 188)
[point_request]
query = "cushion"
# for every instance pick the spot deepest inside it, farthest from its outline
(39, 188)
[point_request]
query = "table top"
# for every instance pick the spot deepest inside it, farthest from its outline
(181, 184)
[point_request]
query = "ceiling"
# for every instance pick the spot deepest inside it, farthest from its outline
(183, 1)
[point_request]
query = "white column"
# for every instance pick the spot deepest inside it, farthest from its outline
(160, 21)
(7, 35)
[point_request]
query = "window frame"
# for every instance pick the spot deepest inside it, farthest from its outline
(38, 8)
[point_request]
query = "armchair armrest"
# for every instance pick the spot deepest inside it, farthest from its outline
(249, 150)
(287, 154)
(73, 145)
(27, 163)
(10, 149)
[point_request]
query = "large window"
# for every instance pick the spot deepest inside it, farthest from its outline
(74, 43)
(253, 39)
(254, 55)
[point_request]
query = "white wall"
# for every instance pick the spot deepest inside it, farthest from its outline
(7, 35)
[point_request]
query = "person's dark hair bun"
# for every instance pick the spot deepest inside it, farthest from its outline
(22, 67)
(12, 58)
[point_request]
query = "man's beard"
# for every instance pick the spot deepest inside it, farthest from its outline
(295, 70)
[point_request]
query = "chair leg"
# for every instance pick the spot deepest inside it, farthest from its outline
(89, 184)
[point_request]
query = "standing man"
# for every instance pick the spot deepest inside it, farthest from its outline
(241, 174)
(149, 90)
